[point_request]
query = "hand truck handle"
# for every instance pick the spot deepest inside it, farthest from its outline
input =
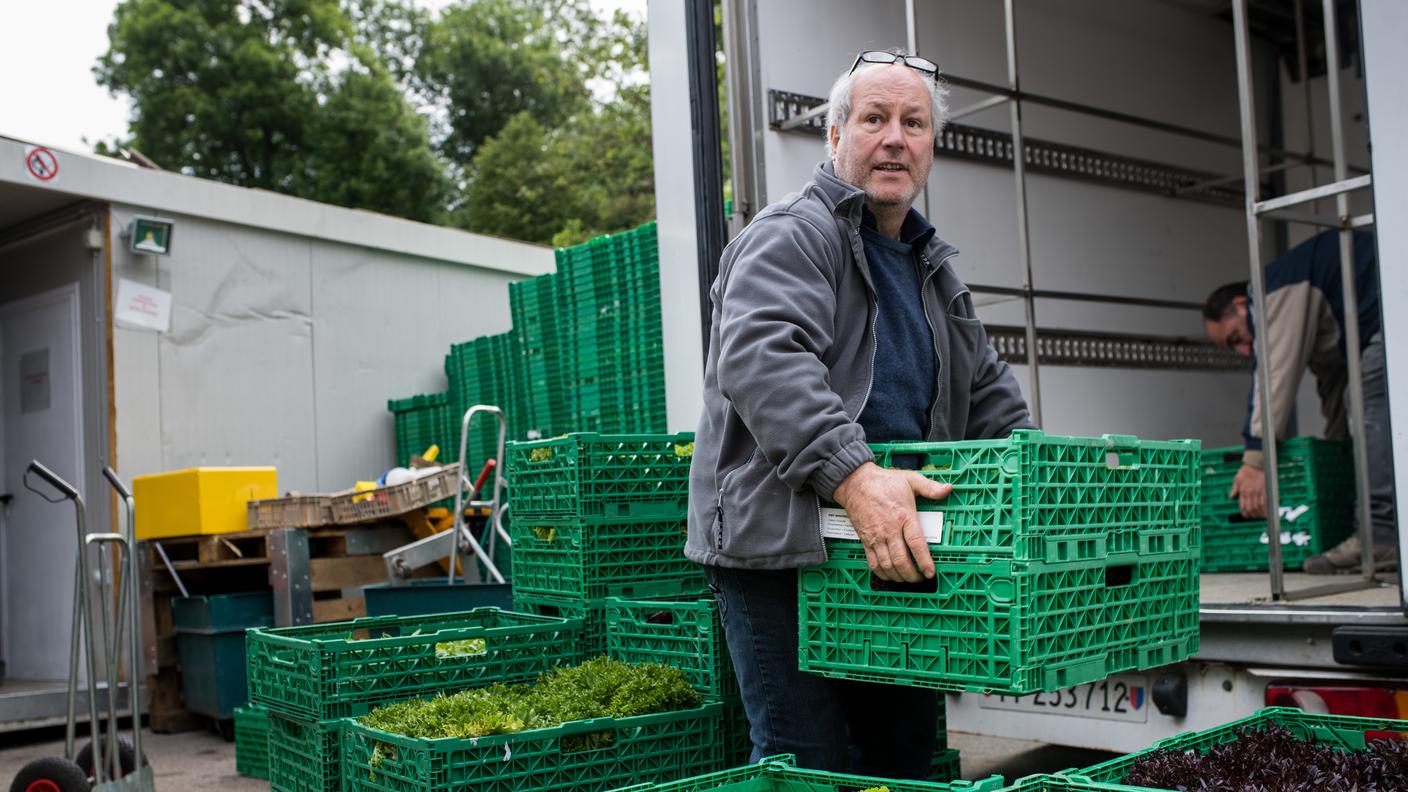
(52, 478)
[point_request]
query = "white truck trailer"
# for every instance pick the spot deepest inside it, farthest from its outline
(1135, 124)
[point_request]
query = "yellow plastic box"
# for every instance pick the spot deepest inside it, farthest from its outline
(206, 500)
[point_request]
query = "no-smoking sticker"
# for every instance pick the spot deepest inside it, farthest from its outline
(41, 164)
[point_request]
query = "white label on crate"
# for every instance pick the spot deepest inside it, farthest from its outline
(1299, 538)
(836, 524)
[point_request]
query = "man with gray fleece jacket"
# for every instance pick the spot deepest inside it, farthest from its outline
(837, 321)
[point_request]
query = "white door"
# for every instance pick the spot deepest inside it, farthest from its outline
(40, 383)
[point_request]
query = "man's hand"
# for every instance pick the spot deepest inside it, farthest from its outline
(1249, 488)
(880, 504)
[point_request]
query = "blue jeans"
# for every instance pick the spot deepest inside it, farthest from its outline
(834, 725)
(1379, 442)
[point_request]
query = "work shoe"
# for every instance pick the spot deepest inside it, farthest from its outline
(1344, 558)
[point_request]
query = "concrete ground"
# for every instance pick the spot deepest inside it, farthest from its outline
(195, 761)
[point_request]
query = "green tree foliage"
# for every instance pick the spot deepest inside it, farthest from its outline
(372, 150)
(522, 118)
(245, 92)
(588, 176)
(485, 62)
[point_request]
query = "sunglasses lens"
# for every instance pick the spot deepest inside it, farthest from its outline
(922, 64)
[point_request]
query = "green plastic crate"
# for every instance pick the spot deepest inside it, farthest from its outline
(1240, 546)
(595, 559)
(946, 766)
(303, 755)
(645, 748)
(738, 745)
(591, 641)
(585, 475)
(990, 624)
(1316, 479)
(1339, 731)
(684, 633)
(536, 304)
(422, 421)
(252, 742)
(780, 774)
(340, 669)
(1040, 497)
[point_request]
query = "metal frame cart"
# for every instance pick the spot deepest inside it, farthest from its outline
(107, 762)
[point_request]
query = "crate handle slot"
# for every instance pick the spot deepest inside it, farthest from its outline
(660, 617)
(942, 459)
(926, 586)
(1231, 456)
(1117, 575)
(1121, 460)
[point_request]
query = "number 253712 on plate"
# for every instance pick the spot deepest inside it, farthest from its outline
(1124, 698)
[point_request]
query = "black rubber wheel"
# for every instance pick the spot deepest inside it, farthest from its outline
(125, 752)
(51, 774)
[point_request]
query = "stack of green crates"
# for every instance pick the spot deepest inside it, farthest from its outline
(596, 516)
(1316, 480)
(423, 421)
(485, 371)
(312, 678)
(252, 742)
(536, 306)
(1061, 560)
(611, 344)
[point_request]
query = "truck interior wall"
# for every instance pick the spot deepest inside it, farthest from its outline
(283, 350)
(1386, 61)
(1157, 60)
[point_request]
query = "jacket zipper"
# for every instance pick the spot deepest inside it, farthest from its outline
(933, 339)
(870, 385)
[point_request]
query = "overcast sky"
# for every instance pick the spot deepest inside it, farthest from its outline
(47, 51)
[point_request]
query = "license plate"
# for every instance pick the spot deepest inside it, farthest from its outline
(1122, 698)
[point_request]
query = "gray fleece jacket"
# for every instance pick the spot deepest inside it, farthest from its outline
(791, 362)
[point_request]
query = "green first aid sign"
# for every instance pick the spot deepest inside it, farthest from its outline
(151, 235)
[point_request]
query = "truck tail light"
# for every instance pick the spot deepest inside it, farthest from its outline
(1364, 702)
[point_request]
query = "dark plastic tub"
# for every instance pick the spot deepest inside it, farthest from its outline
(210, 638)
(432, 595)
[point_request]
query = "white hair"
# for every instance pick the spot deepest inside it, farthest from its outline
(839, 108)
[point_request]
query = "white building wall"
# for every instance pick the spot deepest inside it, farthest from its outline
(284, 349)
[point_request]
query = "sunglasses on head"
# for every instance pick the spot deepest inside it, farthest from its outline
(922, 65)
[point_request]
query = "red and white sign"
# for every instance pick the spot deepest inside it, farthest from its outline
(140, 305)
(41, 164)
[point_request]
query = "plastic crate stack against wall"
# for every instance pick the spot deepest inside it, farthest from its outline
(485, 371)
(1317, 505)
(597, 516)
(537, 305)
(422, 421)
(312, 679)
(611, 343)
(1063, 560)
